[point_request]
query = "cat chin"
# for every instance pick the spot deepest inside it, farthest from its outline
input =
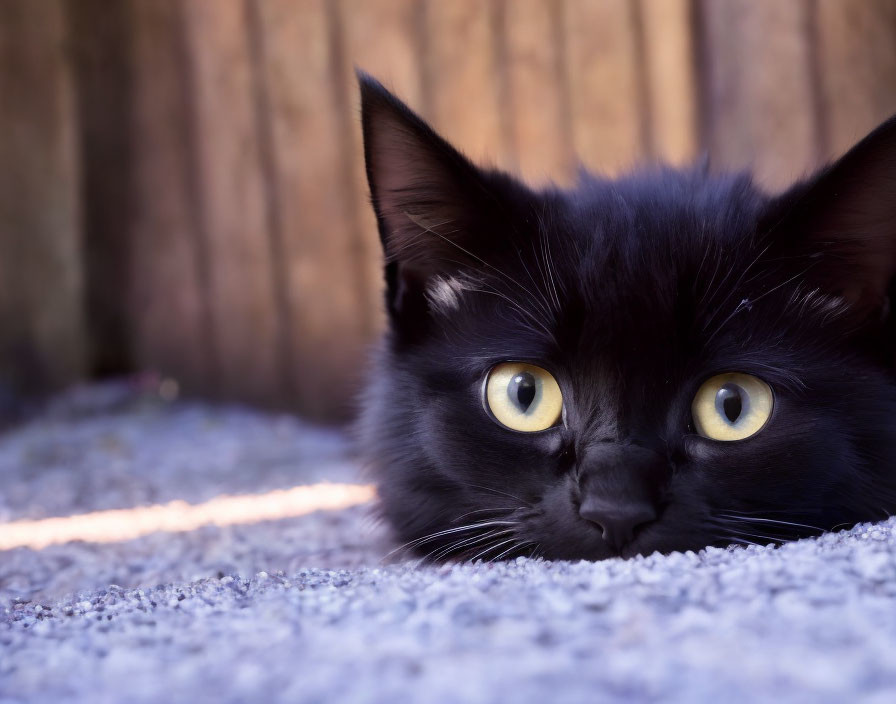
(654, 542)
(587, 544)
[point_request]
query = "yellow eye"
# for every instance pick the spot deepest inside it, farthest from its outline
(523, 397)
(732, 406)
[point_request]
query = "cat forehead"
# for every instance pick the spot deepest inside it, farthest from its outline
(643, 231)
(607, 251)
(654, 190)
(649, 209)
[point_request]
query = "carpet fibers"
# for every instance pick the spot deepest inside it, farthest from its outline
(305, 608)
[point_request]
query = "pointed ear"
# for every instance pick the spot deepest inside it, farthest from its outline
(842, 222)
(433, 206)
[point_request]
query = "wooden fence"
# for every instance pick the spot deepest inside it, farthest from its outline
(181, 185)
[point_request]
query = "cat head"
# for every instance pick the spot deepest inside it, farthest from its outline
(664, 361)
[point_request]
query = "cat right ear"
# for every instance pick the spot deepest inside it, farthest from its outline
(841, 224)
(432, 204)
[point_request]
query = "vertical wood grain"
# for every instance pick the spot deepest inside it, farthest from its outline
(168, 306)
(461, 75)
(231, 202)
(326, 294)
(42, 327)
(758, 87)
(97, 36)
(857, 69)
(671, 83)
(602, 67)
(538, 102)
(379, 37)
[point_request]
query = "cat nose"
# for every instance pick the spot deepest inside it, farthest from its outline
(621, 487)
(617, 521)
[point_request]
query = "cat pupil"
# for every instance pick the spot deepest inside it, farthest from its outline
(521, 390)
(730, 402)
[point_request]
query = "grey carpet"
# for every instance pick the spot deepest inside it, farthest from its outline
(304, 610)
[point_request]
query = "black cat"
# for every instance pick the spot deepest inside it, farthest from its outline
(660, 362)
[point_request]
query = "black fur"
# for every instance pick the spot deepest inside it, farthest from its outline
(631, 292)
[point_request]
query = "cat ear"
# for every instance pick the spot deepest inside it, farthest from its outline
(432, 204)
(842, 222)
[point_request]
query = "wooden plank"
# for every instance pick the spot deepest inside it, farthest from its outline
(602, 65)
(538, 101)
(380, 37)
(168, 299)
(312, 179)
(98, 34)
(671, 83)
(759, 109)
(462, 80)
(231, 202)
(42, 334)
(857, 68)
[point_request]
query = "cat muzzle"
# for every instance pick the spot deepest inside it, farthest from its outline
(620, 488)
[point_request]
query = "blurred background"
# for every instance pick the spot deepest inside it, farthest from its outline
(181, 181)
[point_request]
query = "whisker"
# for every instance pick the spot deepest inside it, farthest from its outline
(509, 278)
(709, 290)
(544, 246)
(446, 550)
(736, 512)
(719, 306)
(540, 297)
(755, 535)
(490, 548)
(511, 549)
(417, 542)
(538, 263)
(748, 303)
(770, 521)
(845, 524)
(502, 493)
(543, 307)
(535, 321)
(485, 510)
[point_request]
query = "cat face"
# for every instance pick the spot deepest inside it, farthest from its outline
(660, 362)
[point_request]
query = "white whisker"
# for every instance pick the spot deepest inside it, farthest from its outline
(432, 536)
(512, 548)
(446, 550)
(490, 548)
(502, 493)
(770, 521)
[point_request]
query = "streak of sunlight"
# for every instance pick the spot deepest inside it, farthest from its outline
(179, 516)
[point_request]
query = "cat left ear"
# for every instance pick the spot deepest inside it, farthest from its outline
(437, 213)
(842, 222)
